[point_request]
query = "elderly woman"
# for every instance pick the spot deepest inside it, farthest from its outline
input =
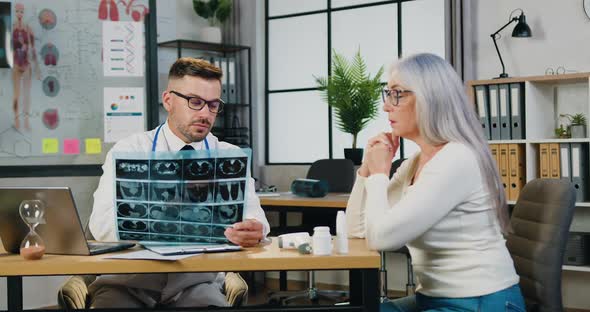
(446, 202)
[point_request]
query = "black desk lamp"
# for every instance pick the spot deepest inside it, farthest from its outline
(521, 30)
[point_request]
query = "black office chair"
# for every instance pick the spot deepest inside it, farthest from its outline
(541, 220)
(410, 286)
(340, 175)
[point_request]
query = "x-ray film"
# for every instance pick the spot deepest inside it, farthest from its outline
(180, 197)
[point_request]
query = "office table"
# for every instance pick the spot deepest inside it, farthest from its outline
(362, 263)
(287, 202)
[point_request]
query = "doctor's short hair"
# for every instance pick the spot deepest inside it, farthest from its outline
(190, 66)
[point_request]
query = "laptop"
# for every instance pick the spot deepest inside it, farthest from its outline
(62, 231)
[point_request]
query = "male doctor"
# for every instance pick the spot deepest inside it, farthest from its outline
(192, 100)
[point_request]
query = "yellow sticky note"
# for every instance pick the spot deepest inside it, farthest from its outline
(93, 146)
(50, 146)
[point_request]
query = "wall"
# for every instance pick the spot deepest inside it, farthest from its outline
(560, 30)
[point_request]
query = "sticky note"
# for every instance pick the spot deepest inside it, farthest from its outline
(71, 146)
(93, 146)
(50, 146)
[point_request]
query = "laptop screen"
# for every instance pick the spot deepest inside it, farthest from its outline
(62, 231)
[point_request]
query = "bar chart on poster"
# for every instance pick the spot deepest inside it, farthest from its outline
(76, 83)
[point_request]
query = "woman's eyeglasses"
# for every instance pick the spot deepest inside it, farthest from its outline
(392, 96)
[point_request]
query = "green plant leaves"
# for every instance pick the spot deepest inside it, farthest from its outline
(213, 10)
(352, 93)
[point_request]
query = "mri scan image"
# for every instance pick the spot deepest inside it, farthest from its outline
(166, 169)
(132, 190)
(164, 227)
(132, 169)
(165, 192)
(196, 229)
(218, 230)
(132, 225)
(227, 214)
(230, 191)
(131, 210)
(200, 214)
(136, 169)
(228, 168)
(199, 169)
(134, 236)
(201, 192)
(164, 212)
(182, 199)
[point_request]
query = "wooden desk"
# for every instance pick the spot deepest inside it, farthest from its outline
(332, 200)
(287, 202)
(362, 263)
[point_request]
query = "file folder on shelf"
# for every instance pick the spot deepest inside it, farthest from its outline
(231, 80)
(221, 62)
(495, 154)
(579, 154)
(504, 167)
(554, 164)
(494, 113)
(516, 178)
(565, 159)
(544, 161)
(483, 108)
(517, 111)
(503, 101)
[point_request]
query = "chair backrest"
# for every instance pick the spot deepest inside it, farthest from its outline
(395, 165)
(339, 173)
(541, 220)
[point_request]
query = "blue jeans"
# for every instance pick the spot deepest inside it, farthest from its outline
(509, 299)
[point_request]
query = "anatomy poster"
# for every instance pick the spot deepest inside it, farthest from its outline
(180, 197)
(123, 46)
(54, 91)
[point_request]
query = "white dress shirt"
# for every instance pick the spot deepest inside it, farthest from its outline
(446, 219)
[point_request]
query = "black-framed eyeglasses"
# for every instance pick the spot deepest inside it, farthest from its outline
(392, 96)
(197, 103)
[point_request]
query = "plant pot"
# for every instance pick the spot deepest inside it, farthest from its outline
(210, 34)
(354, 154)
(578, 131)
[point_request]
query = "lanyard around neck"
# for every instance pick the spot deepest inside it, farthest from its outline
(158, 133)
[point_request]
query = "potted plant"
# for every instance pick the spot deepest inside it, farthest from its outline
(577, 125)
(354, 95)
(216, 12)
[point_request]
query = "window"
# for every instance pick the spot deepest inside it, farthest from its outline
(300, 127)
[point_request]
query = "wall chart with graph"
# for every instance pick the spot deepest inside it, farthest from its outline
(180, 197)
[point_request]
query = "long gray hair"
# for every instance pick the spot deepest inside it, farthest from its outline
(444, 114)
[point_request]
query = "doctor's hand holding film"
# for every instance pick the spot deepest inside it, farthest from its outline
(246, 234)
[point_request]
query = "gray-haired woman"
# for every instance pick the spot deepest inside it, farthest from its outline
(446, 202)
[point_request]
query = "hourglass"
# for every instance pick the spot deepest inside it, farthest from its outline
(32, 211)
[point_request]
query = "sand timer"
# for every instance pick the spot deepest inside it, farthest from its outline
(32, 212)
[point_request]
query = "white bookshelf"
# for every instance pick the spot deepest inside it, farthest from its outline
(546, 98)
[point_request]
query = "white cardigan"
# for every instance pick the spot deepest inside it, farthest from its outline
(445, 218)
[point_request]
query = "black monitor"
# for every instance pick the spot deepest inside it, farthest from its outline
(5, 30)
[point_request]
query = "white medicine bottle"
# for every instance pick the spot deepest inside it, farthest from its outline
(322, 241)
